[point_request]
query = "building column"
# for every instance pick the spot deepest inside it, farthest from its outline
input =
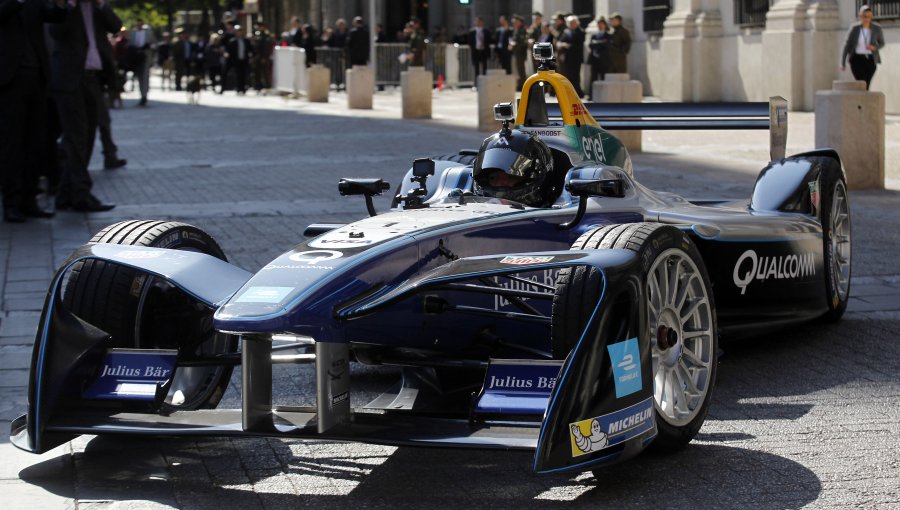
(783, 42)
(549, 7)
(707, 57)
(823, 40)
(676, 51)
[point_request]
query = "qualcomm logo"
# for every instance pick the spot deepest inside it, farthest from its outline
(750, 267)
(314, 257)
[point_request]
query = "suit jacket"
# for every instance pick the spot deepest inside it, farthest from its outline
(232, 49)
(21, 24)
(358, 44)
(473, 38)
(149, 39)
(853, 37)
(71, 45)
(501, 45)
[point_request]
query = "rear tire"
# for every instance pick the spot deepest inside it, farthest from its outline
(140, 311)
(684, 373)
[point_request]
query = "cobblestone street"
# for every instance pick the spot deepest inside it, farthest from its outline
(809, 416)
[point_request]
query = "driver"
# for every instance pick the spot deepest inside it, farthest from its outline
(516, 165)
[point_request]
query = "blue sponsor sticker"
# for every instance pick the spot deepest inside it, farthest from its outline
(595, 434)
(264, 295)
(132, 374)
(626, 365)
(518, 386)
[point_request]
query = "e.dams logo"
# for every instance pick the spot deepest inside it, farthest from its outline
(750, 267)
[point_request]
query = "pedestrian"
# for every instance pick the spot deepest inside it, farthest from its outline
(296, 32)
(263, 47)
(358, 43)
(109, 85)
(501, 46)
(164, 60)
(142, 42)
(238, 53)
(479, 42)
(183, 54)
(416, 44)
(559, 25)
(77, 68)
(380, 35)
(519, 46)
(214, 57)
(534, 31)
(338, 37)
(619, 45)
(310, 41)
(599, 54)
(863, 42)
(24, 72)
(571, 53)
(546, 34)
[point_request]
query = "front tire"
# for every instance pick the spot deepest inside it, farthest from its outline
(143, 312)
(677, 290)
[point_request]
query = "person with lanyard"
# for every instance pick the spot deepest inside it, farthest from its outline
(863, 42)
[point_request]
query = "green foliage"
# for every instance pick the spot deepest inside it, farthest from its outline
(153, 13)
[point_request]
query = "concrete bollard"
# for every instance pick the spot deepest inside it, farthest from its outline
(850, 120)
(360, 87)
(494, 87)
(620, 88)
(318, 82)
(415, 86)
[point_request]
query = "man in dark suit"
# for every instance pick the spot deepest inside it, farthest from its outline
(237, 53)
(480, 42)
(501, 48)
(77, 64)
(571, 49)
(358, 43)
(24, 72)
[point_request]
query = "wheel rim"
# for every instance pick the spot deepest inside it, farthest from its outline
(840, 240)
(191, 386)
(681, 333)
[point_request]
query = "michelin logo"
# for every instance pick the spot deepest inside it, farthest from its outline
(750, 267)
(595, 434)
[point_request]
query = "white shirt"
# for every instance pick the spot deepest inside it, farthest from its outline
(862, 44)
(139, 38)
(242, 54)
(479, 38)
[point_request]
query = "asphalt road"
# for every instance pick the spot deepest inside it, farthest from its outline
(808, 416)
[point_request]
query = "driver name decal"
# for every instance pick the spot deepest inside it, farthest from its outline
(751, 267)
(524, 261)
(595, 434)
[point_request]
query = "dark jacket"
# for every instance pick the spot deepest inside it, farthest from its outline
(574, 54)
(473, 38)
(358, 44)
(853, 36)
(501, 44)
(599, 46)
(619, 46)
(21, 24)
(232, 49)
(71, 45)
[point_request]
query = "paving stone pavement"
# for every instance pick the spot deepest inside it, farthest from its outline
(806, 417)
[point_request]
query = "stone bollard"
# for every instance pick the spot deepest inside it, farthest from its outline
(415, 86)
(360, 87)
(318, 82)
(620, 88)
(494, 87)
(850, 120)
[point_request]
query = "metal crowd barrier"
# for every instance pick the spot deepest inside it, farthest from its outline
(335, 59)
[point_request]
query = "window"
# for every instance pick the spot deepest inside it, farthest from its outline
(882, 9)
(655, 13)
(751, 13)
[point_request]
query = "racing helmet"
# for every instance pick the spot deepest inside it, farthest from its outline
(527, 164)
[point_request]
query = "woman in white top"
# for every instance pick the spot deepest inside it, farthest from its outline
(863, 42)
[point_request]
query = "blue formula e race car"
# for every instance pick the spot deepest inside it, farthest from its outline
(534, 293)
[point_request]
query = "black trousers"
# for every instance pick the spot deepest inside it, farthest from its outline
(23, 104)
(863, 67)
(480, 61)
(78, 115)
(240, 74)
(505, 59)
(104, 124)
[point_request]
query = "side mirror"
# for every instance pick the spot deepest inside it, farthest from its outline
(365, 187)
(596, 187)
(423, 167)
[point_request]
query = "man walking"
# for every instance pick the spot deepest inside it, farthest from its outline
(142, 42)
(619, 45)
(502, 49)
(77, 68)
(519, 44)
(237, 54)
(24, 71)
(358, 43)
(479, 41)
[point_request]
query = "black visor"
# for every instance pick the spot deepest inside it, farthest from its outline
(507, 160)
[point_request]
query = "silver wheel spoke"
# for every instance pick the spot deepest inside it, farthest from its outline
(693, 358)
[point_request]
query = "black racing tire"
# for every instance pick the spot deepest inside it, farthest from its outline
(657, 246)
(834, 213)
(119, 300)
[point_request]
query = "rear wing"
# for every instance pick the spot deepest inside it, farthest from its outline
(771, 115)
